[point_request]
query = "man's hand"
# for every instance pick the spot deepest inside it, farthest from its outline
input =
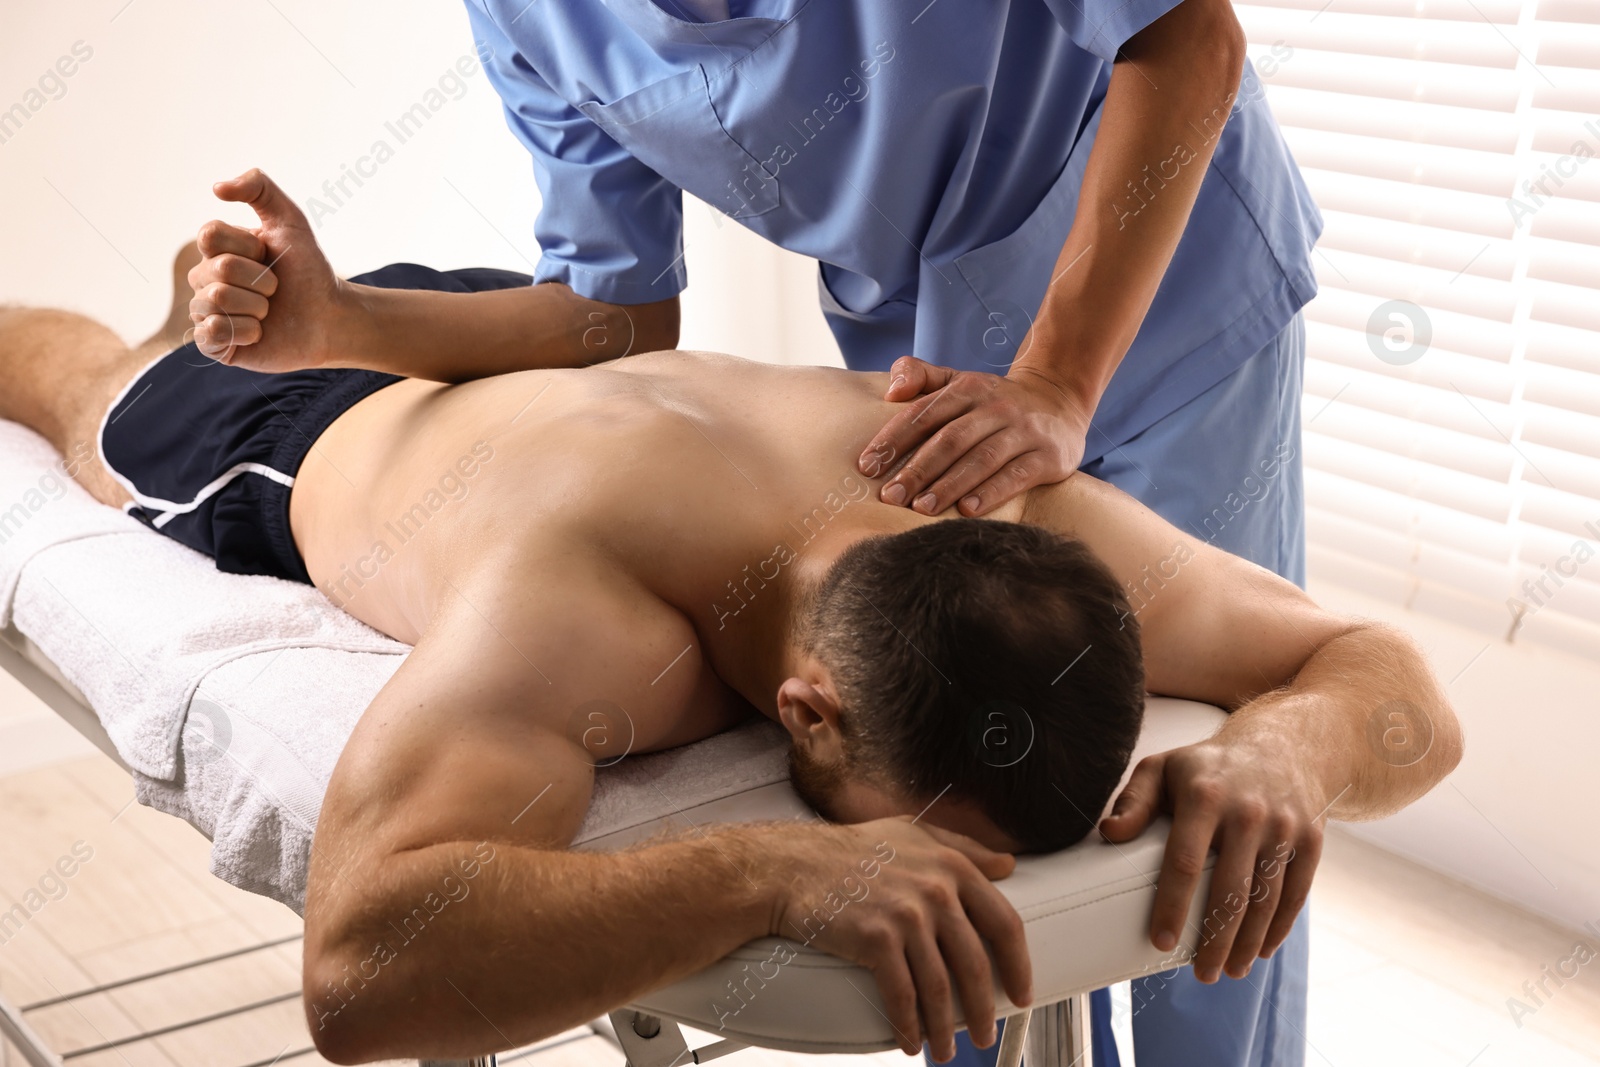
(917, 908)
(1257, 802)
(979, 439)
(246, 273)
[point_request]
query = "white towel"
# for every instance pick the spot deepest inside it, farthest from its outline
(41, 506)
(135, 620)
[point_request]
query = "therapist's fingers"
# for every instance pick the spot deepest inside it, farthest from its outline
(270, 203)
(915, 423)
(219, 299)
(218, 238)
(1020, 473)
(910, 377)
(965, 471)
(952, 461)
(219, 336)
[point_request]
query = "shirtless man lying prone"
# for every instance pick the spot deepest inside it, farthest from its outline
(682, 535)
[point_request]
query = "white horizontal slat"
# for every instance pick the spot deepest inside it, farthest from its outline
(1416, 519)
(1567, 219)
(1570, 431)
(1402, 79)
(1565, 262)
(1415, 441)
(1469, 41)
(1502, 12)
(1567, 511)
(1426, 286)
(1408, 477)
(1565, 305)
(1479, 578)
(1579, 11)
(1454, 332)
(1427, 246)
(1560, 132)
(1446, 209)
(1446, 409)
(1563, 346)
(1407, 120)
(1560, 387)
(1567, 88)
(1464, 169)
(1568, 44)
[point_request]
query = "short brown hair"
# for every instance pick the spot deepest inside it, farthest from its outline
(995, 659)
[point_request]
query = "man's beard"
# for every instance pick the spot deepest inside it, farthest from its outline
(816, 782)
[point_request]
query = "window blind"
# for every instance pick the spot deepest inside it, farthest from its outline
(1452, 394)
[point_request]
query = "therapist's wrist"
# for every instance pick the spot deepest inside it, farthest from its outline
(353, 333)
(1072, 395)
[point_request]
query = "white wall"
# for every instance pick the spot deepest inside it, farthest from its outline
(100, 186)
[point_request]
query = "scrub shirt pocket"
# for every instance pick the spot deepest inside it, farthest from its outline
(672, 127)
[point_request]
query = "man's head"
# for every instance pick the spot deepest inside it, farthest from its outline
(991, 667)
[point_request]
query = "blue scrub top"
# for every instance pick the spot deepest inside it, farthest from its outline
(929, 156)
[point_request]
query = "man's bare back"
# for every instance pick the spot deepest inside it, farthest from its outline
(694, 480)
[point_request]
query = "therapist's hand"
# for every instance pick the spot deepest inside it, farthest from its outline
(1255, 800)
(264, 298)
(973, 440)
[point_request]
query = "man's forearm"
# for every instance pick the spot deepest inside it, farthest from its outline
(536, 943)
(1368, 711)
(451, 337)
(1169, 97)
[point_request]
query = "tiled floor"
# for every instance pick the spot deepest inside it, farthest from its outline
(1407, 968)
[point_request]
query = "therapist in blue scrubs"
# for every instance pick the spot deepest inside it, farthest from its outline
(1074, 218)
(1070, 227)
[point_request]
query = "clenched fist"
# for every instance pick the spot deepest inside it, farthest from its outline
(266, 298)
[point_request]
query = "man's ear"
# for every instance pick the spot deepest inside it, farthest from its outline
(809, 710)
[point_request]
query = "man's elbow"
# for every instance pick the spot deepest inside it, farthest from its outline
(340, 1005)
(353, 1016)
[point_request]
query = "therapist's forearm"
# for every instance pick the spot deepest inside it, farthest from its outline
(1170, 94)
(452, 337)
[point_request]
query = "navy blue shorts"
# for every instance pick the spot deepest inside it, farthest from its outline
(210, 452)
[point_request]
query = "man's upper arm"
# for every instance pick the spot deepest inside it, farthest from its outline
(1214, 627)
(474, 738)
(609, 227)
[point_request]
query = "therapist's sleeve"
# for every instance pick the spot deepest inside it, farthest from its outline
(608, 226)
(1104, 26)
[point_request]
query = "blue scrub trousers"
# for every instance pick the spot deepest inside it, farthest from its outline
(1203, 468)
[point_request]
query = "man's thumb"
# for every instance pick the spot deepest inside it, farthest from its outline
(1137, 803)
(269, 202)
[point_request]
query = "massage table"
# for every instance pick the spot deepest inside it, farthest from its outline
(228, 698)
